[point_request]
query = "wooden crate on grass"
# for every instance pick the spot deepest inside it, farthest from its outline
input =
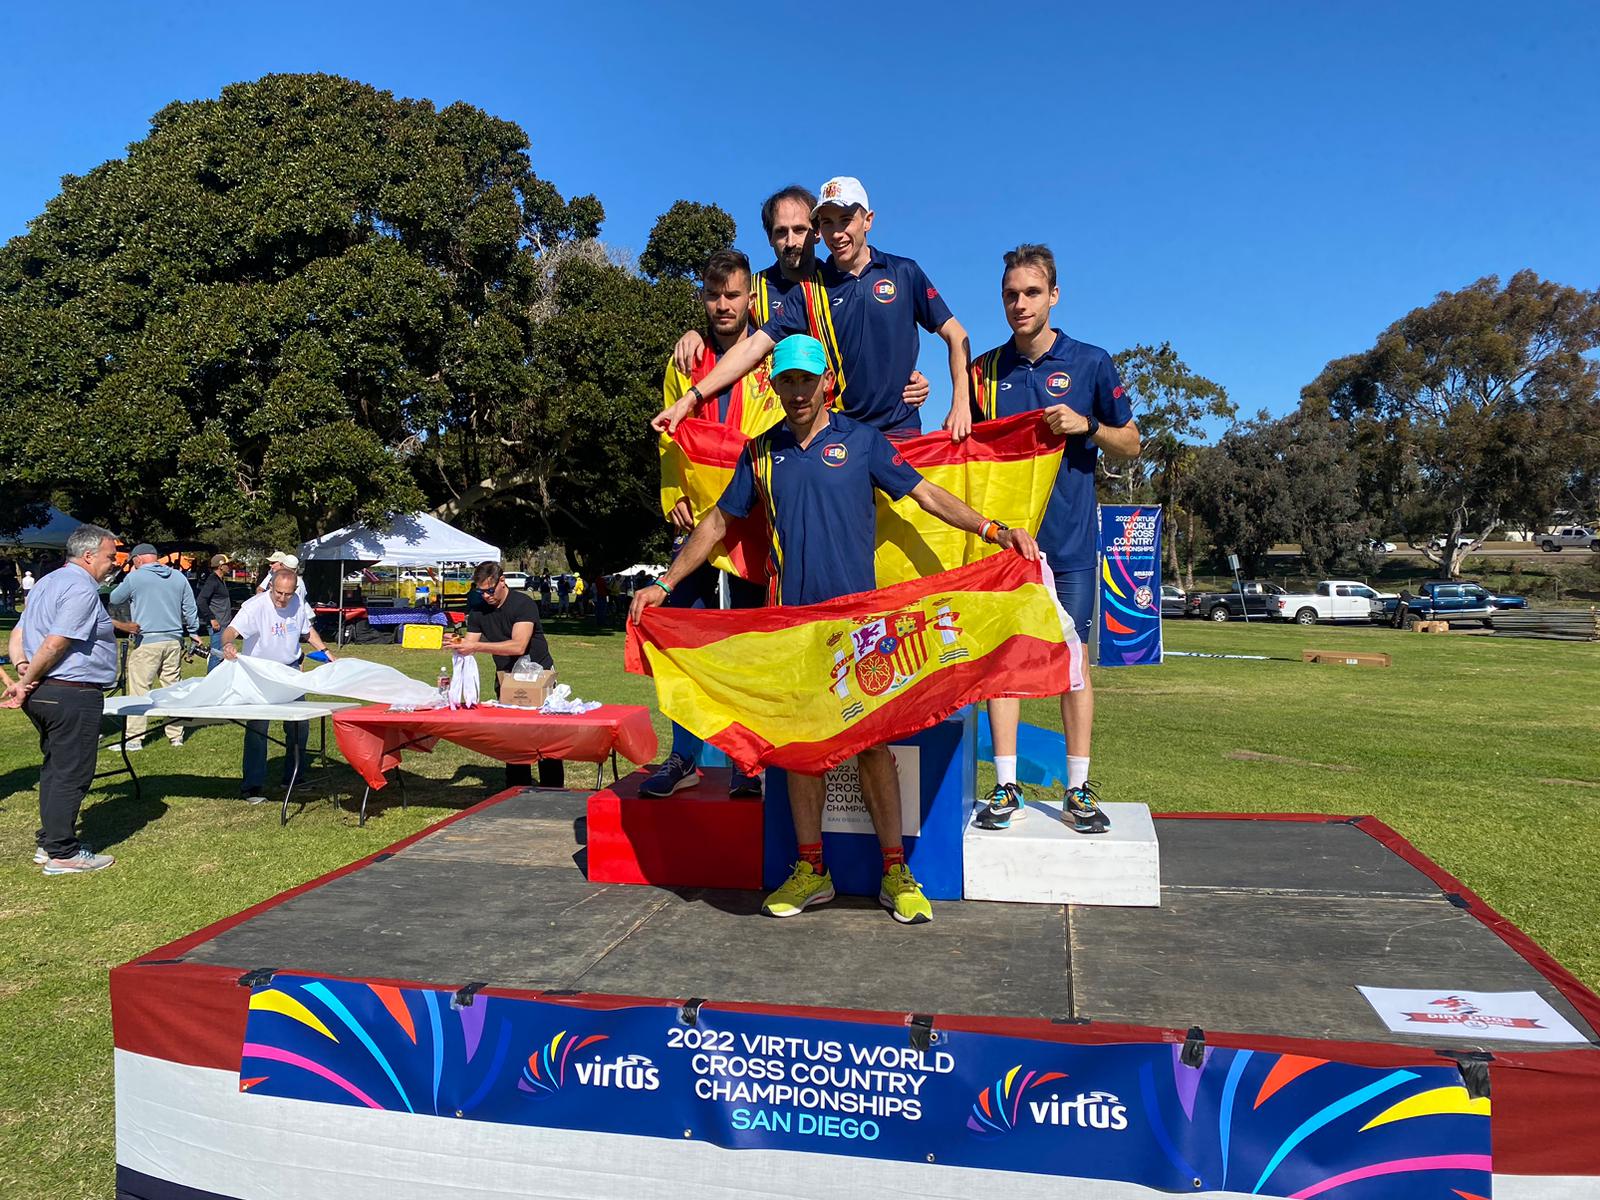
(1346, 658)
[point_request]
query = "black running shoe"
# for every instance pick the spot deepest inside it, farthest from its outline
(1083, 806)
(741, 785)
(1004, 803)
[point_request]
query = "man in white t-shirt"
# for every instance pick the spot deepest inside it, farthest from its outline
(272, 624)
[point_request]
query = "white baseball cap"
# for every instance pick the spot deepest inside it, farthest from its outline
(843, 190)
(284, 560)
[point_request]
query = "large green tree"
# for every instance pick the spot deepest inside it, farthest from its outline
(307, 301)
(1172, 405)
(1475, 409)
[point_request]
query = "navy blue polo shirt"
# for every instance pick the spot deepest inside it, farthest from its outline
(819, 504)
(1084, 378)
(869, 328)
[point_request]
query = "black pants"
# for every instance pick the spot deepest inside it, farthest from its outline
(551, 774)
(68, 721)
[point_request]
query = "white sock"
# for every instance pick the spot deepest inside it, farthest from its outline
(1077, 771)
(1005, 768)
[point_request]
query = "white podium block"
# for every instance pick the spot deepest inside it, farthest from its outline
(1040, 860)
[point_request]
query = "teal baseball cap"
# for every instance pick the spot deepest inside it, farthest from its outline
(797, 352)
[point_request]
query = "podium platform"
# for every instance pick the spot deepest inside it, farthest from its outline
(1041, 860)
(699, 837)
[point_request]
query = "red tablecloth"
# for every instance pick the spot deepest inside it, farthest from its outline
(372, 738)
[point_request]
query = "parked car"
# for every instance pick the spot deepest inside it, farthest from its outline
(1444, 600)
(1372, 546)
(1330, 600)
(1464, 539)
(1578, 536)
(1259, 600)
(517, 581)
(1173, 600)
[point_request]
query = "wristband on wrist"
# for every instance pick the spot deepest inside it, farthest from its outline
(662, 586)
(1094, 428)
(699, 396)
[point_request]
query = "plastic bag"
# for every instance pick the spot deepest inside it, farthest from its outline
(464, 682)
(561, 700)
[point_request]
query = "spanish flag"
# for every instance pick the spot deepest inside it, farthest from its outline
(696, 464)
(1005, 470)
(808, 686)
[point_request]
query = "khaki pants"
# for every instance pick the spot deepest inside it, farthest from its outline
(150, 665)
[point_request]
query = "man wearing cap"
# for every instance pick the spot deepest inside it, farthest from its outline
(272, 625)
(786, 221)
(216, 606)
(865, 311)
(1077, 388)
(162, 608)
(278, 560)
(816, 474)
(65, 652)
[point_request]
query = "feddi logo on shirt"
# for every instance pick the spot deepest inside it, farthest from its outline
(835, 454)
(883, 291)
(1059, 383)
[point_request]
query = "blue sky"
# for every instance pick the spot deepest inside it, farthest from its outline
(1266, 185)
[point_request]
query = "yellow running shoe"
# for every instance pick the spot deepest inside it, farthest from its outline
(902, 896)
(800, 891)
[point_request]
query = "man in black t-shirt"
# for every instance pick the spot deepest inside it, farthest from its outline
(507, 627)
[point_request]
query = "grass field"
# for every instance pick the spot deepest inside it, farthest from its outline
(1481, 751)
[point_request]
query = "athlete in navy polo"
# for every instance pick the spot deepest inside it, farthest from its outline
(816, 474)
(866, 312)
(1077, 386)
(786, 221)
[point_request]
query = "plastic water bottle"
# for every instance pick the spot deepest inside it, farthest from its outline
(444, 678)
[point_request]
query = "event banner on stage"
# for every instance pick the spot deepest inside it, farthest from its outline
(1130, 585)
(1240, 1120)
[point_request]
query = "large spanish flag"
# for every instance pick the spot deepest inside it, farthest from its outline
(808, 686)
(1005, 470)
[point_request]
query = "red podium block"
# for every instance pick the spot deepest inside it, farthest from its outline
(698, 837)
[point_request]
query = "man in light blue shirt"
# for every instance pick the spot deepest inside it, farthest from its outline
(161, 604)
(66, 650)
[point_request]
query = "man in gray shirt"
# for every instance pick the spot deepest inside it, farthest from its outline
(162, 608)
(66, 650)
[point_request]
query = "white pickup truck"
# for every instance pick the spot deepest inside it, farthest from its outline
(1332, 600)
(1579, 537)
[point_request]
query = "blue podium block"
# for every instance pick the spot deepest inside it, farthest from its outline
(938, 774)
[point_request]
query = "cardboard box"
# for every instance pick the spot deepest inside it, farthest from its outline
(524, 693)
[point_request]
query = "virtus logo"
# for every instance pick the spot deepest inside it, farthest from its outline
(1097, 1110)
(997, 1107)
(631, 1073)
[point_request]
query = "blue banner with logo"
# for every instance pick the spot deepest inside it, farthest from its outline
(1129, 632)
(1240, 1120)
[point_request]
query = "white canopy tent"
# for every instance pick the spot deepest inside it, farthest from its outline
(52, 535)
(414, 540)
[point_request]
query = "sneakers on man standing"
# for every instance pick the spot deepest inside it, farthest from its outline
(40, 857)
(742, 786)
(671, 776)
(902, 895)
(1005, 802)
(1083, 806)
(84, 861)
(800, 891)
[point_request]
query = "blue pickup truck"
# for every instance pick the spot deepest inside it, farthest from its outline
(1443, 600)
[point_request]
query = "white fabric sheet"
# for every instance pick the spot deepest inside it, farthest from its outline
(257, 681)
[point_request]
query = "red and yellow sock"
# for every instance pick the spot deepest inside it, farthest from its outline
(812, 853)
(893, 856)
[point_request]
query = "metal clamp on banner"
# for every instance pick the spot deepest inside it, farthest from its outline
(689, 1011)
(922, 1034)
(464, 995)
(1474, 1068)
(260, 977)
(1194, 1047)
